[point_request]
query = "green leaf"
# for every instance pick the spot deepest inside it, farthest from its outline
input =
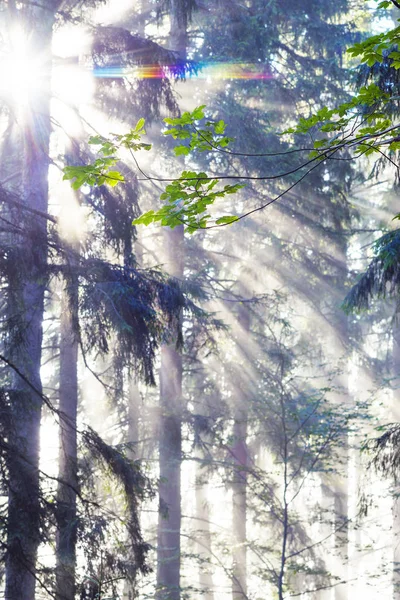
(220, 127)
(198, 113)
(227, 220)
(96, 140)
(145, 219)
(139, 125)
(320, 143)
(181, 150)
(114, 177)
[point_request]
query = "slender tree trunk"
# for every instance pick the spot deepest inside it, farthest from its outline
(341, 479)
(203, 535)
(396, 500)
(341, 531)
(239, 484)
(133, 417)
(26, 306)
(68, 459)
(396, 547)
(132, 438)
(170, 454)
(170, 447)
(239, 508)
(170, 435)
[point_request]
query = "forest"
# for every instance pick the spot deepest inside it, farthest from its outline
(199, 310)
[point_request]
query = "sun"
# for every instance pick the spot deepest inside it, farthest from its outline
(25, 76)
(21, 74)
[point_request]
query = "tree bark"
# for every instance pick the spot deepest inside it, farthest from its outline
(170, 434)
(170, 449)
(68, 458)
(132, 438)
(239, 508)
(26, 306)
(239, 484)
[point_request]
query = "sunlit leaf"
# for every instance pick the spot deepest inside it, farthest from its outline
(227, 220)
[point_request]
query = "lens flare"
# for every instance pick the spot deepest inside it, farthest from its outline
(220, 70)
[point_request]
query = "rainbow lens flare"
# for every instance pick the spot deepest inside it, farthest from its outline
(214, 71)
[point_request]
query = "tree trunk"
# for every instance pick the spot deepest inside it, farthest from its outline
(239, 508)
(170, 451)
(239, 484)
(396, 500)
(68, 459)
(203, 534)
(26, 306)
(396, 547)
(170, 435)
(341, 479)
(341, 531)
(133, 453)
(170, 448)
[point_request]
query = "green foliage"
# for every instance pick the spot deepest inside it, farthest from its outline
(187, 198)
(100, 172)
(360, 125)
(209, 138)
(374, 48)
(187, 201)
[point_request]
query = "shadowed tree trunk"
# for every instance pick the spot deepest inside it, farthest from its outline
(170, 451)
(26, 308)
(239, 507)
(133, 436)
(239, 483)
(68, 460)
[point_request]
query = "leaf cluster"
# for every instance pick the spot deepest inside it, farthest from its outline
(100, 172)
(188, 196)
(360, 124)
(188, 199)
